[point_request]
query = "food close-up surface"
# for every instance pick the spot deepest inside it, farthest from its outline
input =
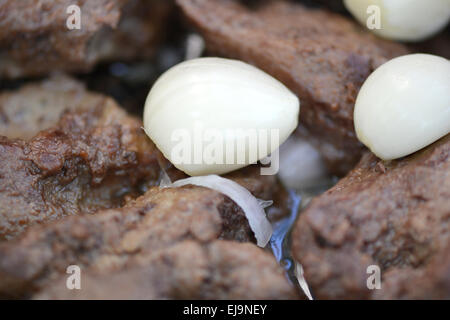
(224, 150)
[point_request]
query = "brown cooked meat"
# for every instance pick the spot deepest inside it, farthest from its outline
(321, 56)
(167, 236)
(39, 106)
(34, 39)
(92, 156)
(187, 270)
(395, 215)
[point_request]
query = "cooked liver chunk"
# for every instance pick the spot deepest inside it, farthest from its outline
(35, 40)
(321, 56)
(187, 270)
(161, 245)
(39, 105)
(394, 215)
(90, 155)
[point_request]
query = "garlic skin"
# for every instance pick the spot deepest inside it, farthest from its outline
(404, 105)
(251, 206)
(222, 95)
(301, 164)
(404, 20)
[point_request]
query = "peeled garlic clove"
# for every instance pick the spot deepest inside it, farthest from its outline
(405, 20)
(214, 102)
(404, 105)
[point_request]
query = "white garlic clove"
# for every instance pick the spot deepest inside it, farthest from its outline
(404, 105)
(207, 101)
(405, 20)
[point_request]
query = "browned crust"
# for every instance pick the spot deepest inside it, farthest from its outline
(395, 215)
(93, 156)
(187, 270)
(115, 240)
(34, 39)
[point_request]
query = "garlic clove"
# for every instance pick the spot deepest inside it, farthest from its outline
(405, 20)
(214, 100)
(404, 105)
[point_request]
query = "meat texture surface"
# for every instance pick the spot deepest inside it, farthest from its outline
(78, 152)
(34, 37)
(39, 105)
(187, 270)
(168, 243)
(393, 215)
(321, 56)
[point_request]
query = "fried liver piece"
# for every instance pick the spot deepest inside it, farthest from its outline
(167, 236)
(39, 106)
(321, 56)
(216, 270)
(35, 40)
(92, 156)
(394, 215)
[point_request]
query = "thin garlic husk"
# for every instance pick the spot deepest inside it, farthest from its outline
(405, 20)
(214, 100)
(252, 207)
(299, 274)
(404, 105)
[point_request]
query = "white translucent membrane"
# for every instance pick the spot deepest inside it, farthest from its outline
(252, 207)
(195, 45)
(301, 165)
(301, 280)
